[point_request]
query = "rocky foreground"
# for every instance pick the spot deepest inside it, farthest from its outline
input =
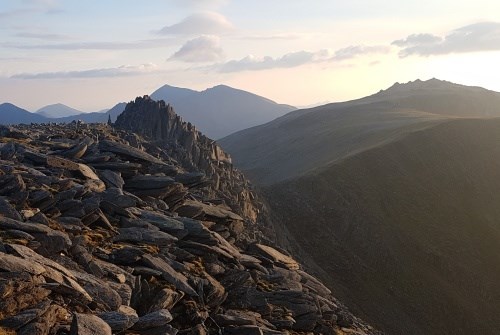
(104, 231)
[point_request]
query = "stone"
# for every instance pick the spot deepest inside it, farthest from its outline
(137, 235)
(87, 324)
(16, 264)
(128, 151)
(8, 210)
(120, 320)
(99, 290)
(169, 274)
(45, 322)
(26, 316)
(77, 151)
(155, 319)
(65, 164)
(111, 178)
(274, 255)
(195, 209)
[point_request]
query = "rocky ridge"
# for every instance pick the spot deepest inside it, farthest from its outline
(144, 228)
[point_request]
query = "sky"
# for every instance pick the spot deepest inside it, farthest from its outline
(93, 54)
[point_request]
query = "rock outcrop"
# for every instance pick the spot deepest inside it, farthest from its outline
(143, 229)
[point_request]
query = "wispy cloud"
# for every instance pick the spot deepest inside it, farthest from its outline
(200, 49)
(32, 6)
(484, 36)
(121, 71)
(42, 36)
(359, 50)
(200, 23)
(143, 44)
(299, 58)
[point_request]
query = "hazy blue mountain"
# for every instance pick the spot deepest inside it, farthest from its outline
(57, 111)
(95, 117)
(11, 114)
(221, 110)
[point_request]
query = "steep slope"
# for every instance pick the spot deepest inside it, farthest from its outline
(106, 231)
(304, 140)
(57, 111)
(408, 233)
(11, 114)
(221, 110)
(392, 199)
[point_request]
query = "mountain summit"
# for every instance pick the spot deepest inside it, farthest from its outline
(221, 110)
(58, 111)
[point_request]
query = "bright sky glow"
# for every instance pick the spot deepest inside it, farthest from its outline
(92, 54)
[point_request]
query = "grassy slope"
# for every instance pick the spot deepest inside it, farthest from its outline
(408, 233)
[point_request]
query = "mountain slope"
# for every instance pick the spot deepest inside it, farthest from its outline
(57, 111)
(408, 232)
(304, 140)
(106, 231)
(221, 110)
(393, 200)
(11, 114)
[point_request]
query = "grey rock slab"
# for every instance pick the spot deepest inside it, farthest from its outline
(164, 223)
(142, 182)
(120, 320)
(169, 274)
(274, 255)
(8, 210)
(66, 164)
(111, 178)
(99, 290)
(88, 324)
(26, 316)
(17, 264)
(128, 151)
(138, 235)
(153, 320)
(191, 208)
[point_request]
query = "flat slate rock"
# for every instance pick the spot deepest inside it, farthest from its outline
(155, 319)
(88, 324)
(128, 151)
(169, 274)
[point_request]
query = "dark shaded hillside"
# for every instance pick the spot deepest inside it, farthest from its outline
(304, 140)
(409, 232)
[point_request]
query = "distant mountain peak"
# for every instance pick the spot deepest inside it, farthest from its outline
(58, 110)
(220, 110)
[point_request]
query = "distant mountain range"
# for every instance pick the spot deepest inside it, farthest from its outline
(216, 112)
(11, 114)
(393, 200)
(221, 110)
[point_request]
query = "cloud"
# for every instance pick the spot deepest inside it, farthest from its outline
(358, 50)
(200, 49)
(484, 36)
(252, 63)
(295, 59)
(200, 23)
(121, 71)
(143, 44)
(42, 36)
